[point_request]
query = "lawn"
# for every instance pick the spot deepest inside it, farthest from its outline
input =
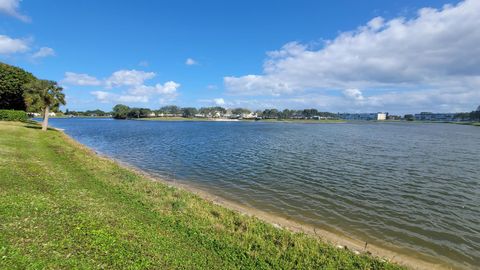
(64, 207)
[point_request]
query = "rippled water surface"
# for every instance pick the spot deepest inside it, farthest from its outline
(408, 185)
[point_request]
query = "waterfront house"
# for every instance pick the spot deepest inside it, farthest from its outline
(34, 114)
(428, 116)
(249, 115)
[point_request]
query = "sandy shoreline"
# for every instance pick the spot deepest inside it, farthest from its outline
(335, 239)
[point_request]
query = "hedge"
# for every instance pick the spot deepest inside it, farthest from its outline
(12, 115)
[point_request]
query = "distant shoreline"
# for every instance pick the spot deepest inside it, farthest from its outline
(309, 121)
(298, 121)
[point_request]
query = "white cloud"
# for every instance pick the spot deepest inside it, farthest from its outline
(219, 101)
(102, 96)
(353, 94)
(133, 99)
(11, 7)
(167, 89)
(190, 62)
(131, 83)
(44, 52)
(215, 101)
(435, 54)
(72, 78)
(107, 97)
(128, 78)
(10, 45)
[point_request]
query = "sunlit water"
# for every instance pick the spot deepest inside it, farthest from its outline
(398, 185)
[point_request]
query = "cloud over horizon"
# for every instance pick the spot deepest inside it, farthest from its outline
(430, 61)
(130, 82)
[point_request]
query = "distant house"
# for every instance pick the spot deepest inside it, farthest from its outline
(228, 114)
(34, 114)
(428, 116)
(152, 114)
(52, 114)
(251, 115)
(321, 117)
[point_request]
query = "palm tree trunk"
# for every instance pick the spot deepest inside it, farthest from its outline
(45, 118)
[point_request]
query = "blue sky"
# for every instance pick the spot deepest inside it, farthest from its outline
(334, 56)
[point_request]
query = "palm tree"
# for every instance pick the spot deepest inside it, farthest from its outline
(43, 95)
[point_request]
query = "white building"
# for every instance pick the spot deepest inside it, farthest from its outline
(381, 116)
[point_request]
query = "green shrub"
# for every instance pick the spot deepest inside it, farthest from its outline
(12, 115)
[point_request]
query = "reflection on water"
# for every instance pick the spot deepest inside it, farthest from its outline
(415, 186)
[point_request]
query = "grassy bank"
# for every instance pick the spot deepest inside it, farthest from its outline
(61, 206)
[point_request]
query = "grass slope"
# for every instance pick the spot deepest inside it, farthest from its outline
(63, 207)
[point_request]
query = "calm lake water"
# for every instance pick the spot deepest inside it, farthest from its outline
(398, 185)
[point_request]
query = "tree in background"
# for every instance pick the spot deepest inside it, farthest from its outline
(171, 109)
(309, 113)
(139, 113)
(409, 117)
(475, 115)
(270, 114)
(211, 111)
(45, 96)
(12, 80)
(189, 112)
(120, 111)
(239, 111)
(286, 114)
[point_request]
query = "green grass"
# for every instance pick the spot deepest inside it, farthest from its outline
(63, 207)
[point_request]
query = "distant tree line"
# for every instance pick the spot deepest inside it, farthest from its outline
(471, 116)
(121, 111)
(96, 112)
(295, 114)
